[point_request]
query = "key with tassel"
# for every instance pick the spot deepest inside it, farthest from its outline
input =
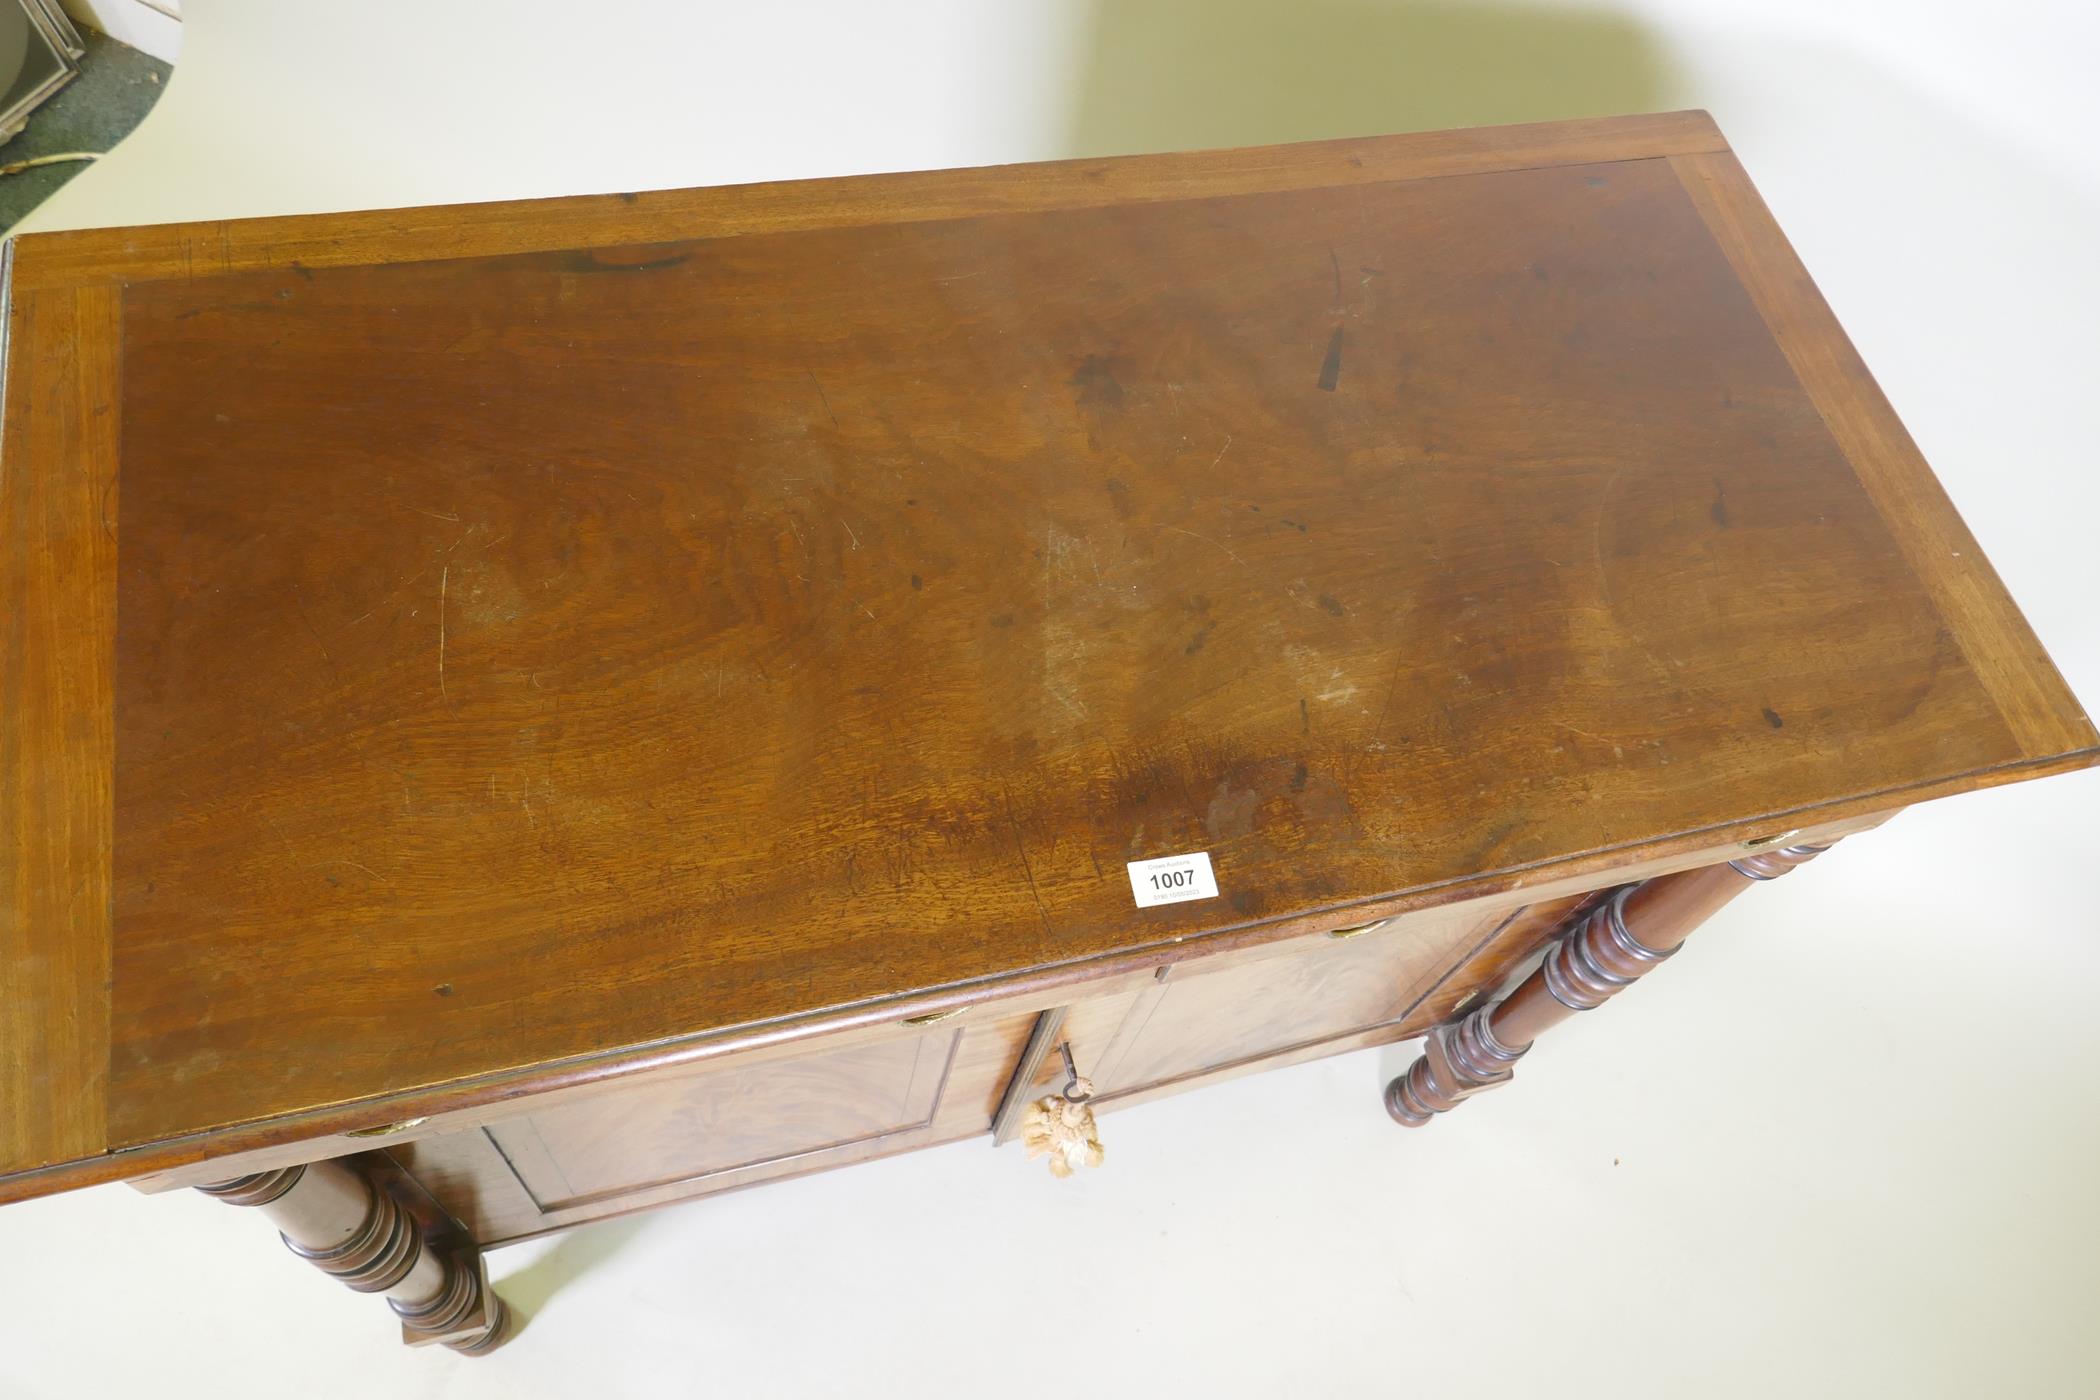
(1061, 1126)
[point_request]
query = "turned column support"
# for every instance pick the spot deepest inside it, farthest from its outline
(1598, 955)
(336, 1216)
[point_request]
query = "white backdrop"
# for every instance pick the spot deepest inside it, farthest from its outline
(1845, 1145)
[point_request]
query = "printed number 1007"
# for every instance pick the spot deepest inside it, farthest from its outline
(1173, 879)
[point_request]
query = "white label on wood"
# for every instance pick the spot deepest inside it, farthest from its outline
(1172, 879)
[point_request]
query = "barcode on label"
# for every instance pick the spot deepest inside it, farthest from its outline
(1172, 879)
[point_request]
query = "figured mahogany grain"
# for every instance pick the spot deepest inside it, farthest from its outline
(625, 1141)
(1204, 1017)
(595, 630)
(618, 1150)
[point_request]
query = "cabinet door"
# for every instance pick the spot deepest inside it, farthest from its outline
(1303, 998)
(710, 1128)
(660, 1134)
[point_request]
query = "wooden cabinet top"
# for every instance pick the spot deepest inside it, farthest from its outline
(445, 647)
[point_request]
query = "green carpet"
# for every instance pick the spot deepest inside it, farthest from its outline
(116, 87)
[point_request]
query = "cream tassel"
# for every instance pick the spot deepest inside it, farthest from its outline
(1061, 1127)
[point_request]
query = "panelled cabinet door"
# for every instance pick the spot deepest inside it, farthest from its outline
(653, 1135)
(710, 1128)
(1311, 996)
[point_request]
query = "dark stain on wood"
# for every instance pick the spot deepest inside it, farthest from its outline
(1096, 381)
(593, 260)
(1331, 366)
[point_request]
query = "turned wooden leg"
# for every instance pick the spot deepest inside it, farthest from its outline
(1599, 955)
(335, 1215)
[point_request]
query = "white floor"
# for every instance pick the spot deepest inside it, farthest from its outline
(1847, 1144)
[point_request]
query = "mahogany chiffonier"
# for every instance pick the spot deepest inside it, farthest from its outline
(519, 713)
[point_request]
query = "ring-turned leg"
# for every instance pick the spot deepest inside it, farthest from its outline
(336, 1216)
(1598, 956)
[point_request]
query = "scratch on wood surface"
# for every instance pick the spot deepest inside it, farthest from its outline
(299, 606)
(444, 577)
(1617, 751)
(1064, 664)
(355, 865)
(1021, 849)
(1603, 514)
(411, 581)
(1222, 451)
(1207, 540)
(1062, 553)
(1063, 697)
(818, 385)
(435, 514)
(849, 532)
(1372, 741)
(1301, 593)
